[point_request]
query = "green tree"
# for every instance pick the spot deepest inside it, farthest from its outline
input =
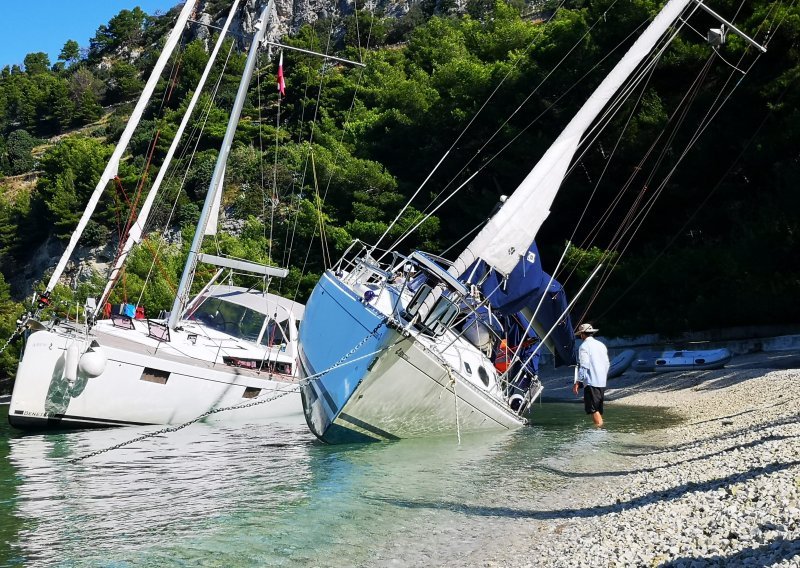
(70, 53)
(18, 150)
(86, 90)
(70, 171)
(124, 82)
(36, 63)
(123, 30)
(9, 312)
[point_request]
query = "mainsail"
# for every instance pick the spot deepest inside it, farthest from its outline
(506, 237)
(113, 164)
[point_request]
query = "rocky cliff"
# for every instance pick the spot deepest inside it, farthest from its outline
(292, 14)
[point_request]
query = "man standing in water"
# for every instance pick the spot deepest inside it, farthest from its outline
(592, 372)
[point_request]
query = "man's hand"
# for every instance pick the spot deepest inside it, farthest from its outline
(575, 389)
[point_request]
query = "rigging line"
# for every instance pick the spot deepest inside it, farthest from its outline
(698, 132)
(484, 165)
(322, 82)
(290, 235)
(425, 214)
(684, 107)
(309, 154)
(627, 219)
(469, 124)
(314, 233)
(196, 130)
(274, 200)
(467, 127)
(642, 77)
(259, 71)
(349, 112)
(535, 90)
(605, 170)
(199, 130)
(471, 232)
(142, 176)
(708, 197)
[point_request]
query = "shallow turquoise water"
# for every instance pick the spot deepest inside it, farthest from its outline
(271, 495)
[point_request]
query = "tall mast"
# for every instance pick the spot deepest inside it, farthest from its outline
(219, 169)
(507, 235)
(113, 164)
(137, 228)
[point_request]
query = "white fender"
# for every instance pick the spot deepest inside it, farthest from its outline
(71, 362)
(93, 362)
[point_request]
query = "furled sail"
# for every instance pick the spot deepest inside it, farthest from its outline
(113, 164)
(509, 233)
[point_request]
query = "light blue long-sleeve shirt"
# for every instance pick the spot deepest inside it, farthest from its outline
(593, 363)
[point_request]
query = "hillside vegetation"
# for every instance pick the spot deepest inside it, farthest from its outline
(719, 247)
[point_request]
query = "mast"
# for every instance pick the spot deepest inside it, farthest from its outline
(219, 168)
(113, 164)
(507, 235)
(135, 233)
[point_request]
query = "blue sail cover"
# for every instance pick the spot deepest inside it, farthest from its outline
(519, 294)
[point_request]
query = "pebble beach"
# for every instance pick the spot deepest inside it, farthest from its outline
(722, 488)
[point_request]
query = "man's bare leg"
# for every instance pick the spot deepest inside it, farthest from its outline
(598, 419)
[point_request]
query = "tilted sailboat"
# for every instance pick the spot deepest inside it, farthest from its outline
(228, 347)
(405, 348)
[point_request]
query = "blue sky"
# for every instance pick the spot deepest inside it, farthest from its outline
(27, 26)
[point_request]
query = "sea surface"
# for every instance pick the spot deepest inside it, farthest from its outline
(270, 494)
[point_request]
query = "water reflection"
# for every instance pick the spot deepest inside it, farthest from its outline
(271, 495)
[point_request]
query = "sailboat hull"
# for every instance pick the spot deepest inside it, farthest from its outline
(389, 385)
(135, 389)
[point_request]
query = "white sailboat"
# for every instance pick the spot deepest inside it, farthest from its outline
(229, 347)
(393, 349)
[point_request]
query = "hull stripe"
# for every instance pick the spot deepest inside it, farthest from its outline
(368, 427)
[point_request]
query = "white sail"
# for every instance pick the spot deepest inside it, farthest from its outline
(113, 164)
(135, 233)
(509, 233)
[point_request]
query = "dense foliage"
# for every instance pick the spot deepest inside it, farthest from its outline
(719, 247)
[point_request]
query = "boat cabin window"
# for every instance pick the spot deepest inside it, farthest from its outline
(416, 302)
(441, 316)
(275, 333)
(229, 318)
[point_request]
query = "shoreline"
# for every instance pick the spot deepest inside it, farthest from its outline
(720, 488)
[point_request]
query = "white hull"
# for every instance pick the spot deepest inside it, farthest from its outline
(409, 394)
(44, 398)
(149, 381)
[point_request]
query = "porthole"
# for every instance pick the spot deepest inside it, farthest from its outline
(467, 368)
(484, 376)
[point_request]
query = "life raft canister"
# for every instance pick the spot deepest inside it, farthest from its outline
(504, 356)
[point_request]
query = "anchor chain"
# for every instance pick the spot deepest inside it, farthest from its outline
(179, 426)
(170, 429)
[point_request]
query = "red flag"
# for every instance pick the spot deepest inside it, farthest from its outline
(281, 80)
